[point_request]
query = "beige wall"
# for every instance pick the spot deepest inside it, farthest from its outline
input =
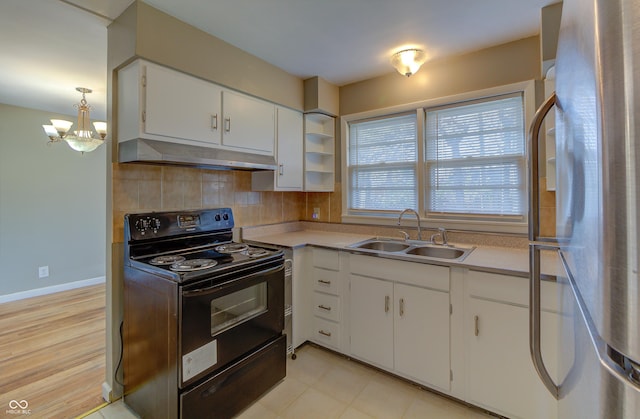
(52, 205)
(146, 32)
(503, 64)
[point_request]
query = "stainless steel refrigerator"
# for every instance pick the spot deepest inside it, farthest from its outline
(598, 193)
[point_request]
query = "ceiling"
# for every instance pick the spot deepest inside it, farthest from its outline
(50, 47)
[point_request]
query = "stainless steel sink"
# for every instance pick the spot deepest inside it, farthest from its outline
(413, 250)
(384, 246)
(437, 252)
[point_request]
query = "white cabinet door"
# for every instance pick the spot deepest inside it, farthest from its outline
(289, 155)
(371, 306)
(500, 374)
(181, 106)
(248, 123)
(421, 330)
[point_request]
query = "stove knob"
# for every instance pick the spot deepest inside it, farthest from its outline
(225, 217)
(217, 217)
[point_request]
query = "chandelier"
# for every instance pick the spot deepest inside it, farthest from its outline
(83, 138)
(408, 61)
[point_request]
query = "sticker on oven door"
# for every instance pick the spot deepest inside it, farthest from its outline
(199, 360)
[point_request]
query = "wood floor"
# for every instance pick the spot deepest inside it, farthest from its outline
(52, 353)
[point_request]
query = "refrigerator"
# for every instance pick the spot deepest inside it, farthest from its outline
(597, 220)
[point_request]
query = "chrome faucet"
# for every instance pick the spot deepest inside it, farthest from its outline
(442, 233)
(417, 218)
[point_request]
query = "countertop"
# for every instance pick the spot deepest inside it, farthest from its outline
(507, 260)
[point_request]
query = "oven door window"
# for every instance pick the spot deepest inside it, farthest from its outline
(238, 307)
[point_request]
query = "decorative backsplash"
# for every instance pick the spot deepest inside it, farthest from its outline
(142, 188)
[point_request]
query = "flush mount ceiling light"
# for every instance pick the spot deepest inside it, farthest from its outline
(408, 61)
(83, 138)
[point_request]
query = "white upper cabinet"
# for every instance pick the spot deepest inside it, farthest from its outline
(181, 106)
(248, 123)
(289, 145)
(157, 103)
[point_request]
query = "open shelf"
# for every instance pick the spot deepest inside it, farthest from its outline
(319, 152)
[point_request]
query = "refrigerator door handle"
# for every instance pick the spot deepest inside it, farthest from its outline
(534, 317)
(534, 249)
(534, 189)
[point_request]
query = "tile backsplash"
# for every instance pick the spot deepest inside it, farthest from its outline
(141, 188)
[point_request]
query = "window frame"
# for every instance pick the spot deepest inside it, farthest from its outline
(518, 226)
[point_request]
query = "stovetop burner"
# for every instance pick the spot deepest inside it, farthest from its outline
(166, 260)
(193, 265)
(232, 248)
(255, 252)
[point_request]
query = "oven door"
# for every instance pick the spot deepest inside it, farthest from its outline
(225, 318)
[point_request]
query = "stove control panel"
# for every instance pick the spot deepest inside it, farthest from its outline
(169, 224)
(147, 225)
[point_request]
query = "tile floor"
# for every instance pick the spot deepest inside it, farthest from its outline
(320, 384)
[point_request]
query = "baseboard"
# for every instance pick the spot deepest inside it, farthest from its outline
(51, 290)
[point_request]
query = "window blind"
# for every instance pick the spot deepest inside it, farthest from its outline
(382, 164)
(475, 158)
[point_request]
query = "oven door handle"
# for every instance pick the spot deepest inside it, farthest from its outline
(216, 288)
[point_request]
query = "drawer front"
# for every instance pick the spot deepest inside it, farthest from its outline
(325, 280)
(510, 289)
(326, 306)
(419, 274)
(326, 333)
(327, 259)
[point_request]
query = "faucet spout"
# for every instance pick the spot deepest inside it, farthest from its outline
(417, 220)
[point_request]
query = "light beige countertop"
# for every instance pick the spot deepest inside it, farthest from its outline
(500, 259)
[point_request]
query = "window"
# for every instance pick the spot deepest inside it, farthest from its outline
(382, 165)
(475, 159)
(459, 161)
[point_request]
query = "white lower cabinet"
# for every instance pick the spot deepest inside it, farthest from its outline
(399, 326)
(421, 334)
(327, 298)
(371, 305)
(500, 374)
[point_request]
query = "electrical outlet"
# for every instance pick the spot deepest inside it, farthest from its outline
(316, 214)
(43, 271)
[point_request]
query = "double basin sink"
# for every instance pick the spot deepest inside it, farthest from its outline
(412, 249)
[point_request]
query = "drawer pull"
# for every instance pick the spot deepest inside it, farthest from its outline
(322, 281)
(214, 121)
(476, 321)
(327, 334)
(387, 300)
(401, 307)
(323, 307)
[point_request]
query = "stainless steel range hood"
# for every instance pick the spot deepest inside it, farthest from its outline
(161, 152)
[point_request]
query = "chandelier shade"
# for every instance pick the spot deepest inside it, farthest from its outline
(85, 138)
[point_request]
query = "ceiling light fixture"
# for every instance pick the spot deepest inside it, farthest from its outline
(408, 61)
(83, 138)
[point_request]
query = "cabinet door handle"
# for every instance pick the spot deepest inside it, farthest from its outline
(227, 124)
(476, 325)
(327, 334)
(401, 307)
(214, 121)
(323, 307)
(322, 281)
(281, 169)
(387, 300)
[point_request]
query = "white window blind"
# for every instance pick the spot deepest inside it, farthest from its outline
(475, 159)
(382, 164)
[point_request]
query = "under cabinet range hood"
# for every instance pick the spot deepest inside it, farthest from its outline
(161, 152)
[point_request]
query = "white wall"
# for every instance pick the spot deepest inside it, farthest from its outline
(52, 206)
